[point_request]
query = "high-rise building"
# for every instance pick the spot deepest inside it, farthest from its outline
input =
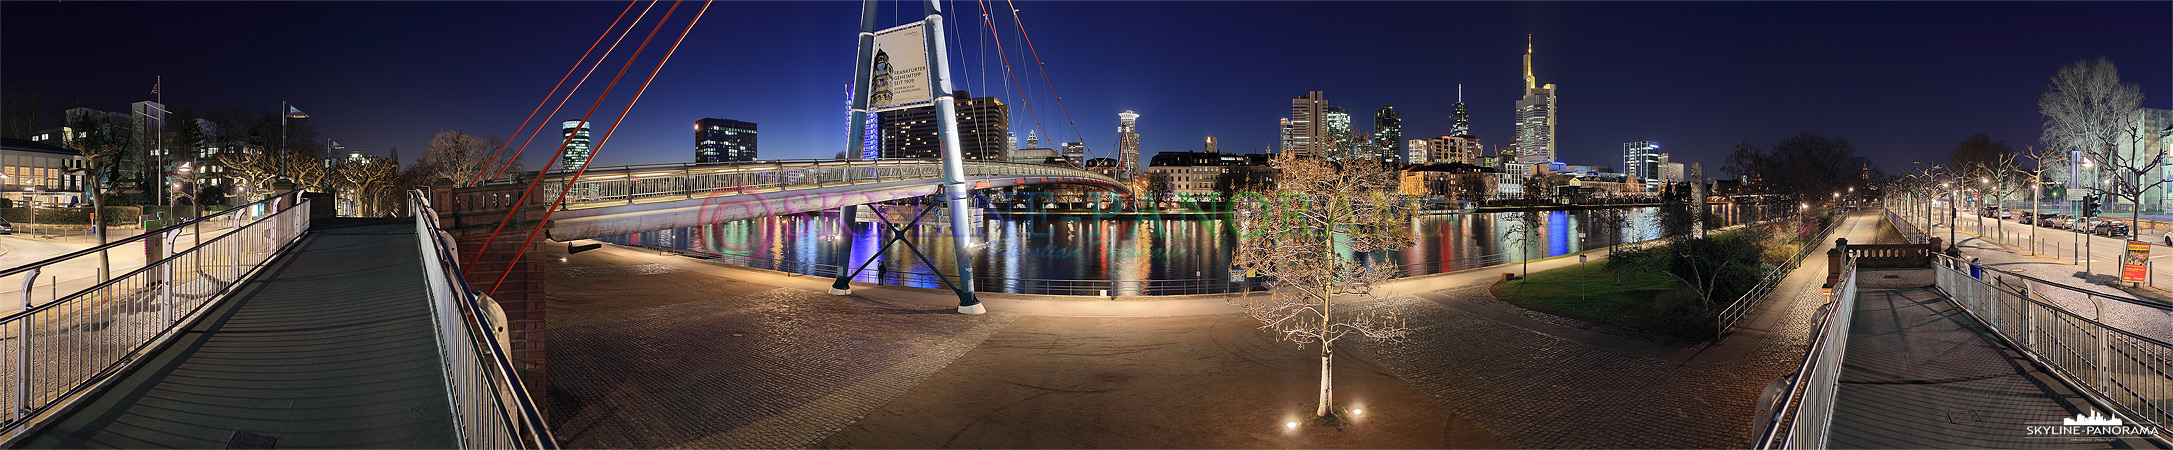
(1076, 153)
(1453, 149)
(983, 123)
(1536, 117)
(723, 140)
(1127, 145)
(576, 134)
(1306, 135)
(1335, 124)
(1641, 160)
(1388, 133)
(1419, 155)
(1033, 139)
(1283, 142)
(1460, 121)
(1211, 147)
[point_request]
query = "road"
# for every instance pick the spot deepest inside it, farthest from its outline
(2100, 256)
(2056, 263)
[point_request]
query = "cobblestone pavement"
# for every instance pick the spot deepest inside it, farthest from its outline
(720, 364)
(1537, 390)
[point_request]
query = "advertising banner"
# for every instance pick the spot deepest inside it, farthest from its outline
(900, 77)
(2135, 263)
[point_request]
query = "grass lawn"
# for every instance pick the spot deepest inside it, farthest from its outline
(1589, 293)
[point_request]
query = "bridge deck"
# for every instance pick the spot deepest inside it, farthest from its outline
(331, 346)
(1918, 373)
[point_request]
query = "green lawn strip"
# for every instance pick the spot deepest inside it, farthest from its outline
(1587, 292)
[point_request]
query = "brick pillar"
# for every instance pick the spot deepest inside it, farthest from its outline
(1835, 258)
(469, 215)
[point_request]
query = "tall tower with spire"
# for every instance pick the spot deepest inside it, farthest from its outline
(1536, 117)
(1460, 123)
(1127, 145)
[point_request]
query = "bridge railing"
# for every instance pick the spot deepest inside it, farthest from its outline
(1805, 409)
(491, 409)
(2128, 366)
(52, 352)
(635, 184)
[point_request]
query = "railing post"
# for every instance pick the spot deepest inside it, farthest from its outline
(166, 277)
(22, 350)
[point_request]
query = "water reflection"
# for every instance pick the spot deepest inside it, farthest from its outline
(1135, 255)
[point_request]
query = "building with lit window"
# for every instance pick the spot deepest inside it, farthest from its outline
(1388, 133)
(33, 170)
(1304, 134)
(723, 140)
(576, 135)
(1536, 117)
(1641, 160)
(984, 130)
(1127, 145)
(1453, 149)
(1419, 154)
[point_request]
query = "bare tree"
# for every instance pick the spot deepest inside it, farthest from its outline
(367, 182)
(1295, 235)
(1979, 159)
(456, 155)
(2088, 109)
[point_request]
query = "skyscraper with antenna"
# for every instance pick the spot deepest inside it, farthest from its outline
(1536, 117)
(1460, 123)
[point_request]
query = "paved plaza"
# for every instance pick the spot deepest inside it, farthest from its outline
(665, 351)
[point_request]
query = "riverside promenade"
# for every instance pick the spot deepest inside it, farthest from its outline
(664, 351)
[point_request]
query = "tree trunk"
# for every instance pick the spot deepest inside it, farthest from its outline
(1327, 378)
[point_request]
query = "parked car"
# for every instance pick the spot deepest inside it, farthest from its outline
(2169, 238)
(2111, 228)
(2026, 219)
(2060, 221)
(6, 228)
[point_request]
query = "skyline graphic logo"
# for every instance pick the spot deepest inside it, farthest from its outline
(2094, 419)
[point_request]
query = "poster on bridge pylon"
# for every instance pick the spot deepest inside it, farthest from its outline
(900, 77)
(2135, 263)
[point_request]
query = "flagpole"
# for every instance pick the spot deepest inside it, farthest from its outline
(282, 139)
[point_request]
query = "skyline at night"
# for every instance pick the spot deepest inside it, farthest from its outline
(1901, 81)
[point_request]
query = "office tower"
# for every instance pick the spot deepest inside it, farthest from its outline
(1033, 139)
(723, 140)
(1283, 142)
(1454, 149)
(1076, 153)
(1336, 133)
(1388, 133)
(1306, 136)
(1418, 152)
(983, 123)
(1211, 147)
(1536, 117)
(1641, 160)
(1127, 145)
(1460, 121)
(576, 134)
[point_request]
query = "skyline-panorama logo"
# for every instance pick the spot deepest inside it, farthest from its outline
(2093, 426)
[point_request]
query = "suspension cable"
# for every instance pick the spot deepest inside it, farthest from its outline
(531, 189)
(554, 93)
(1045, 74)
(569, 94)
(1006, 59)
(555, 204)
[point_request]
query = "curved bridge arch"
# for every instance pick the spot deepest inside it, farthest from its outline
(632, 199)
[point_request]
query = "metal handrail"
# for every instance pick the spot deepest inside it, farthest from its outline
(1735, 312)
(1817, 378)
(490, 406)
(629, 184)
(87, 337)
(1909, 231)
(2130, 373)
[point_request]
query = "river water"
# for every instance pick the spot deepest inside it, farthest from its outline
(1116, 255)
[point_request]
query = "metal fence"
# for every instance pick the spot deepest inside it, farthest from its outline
(2117, 365)
(1909, 231)
(1806, 408)
(634, 184)
(491, 409)
(79, 338)
(1735, 312)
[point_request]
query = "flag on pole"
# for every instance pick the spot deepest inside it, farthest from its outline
(154, 88)
(336, 145)
(293, 113)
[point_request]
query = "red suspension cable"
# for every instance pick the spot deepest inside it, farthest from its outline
(1044, 71)
(525, 193)
(547, 97)
(561, 200)
(569, 94)
(1006, 59)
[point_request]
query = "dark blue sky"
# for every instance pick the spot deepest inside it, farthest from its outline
(1902, 81)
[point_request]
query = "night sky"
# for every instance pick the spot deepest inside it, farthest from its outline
(1902, 81)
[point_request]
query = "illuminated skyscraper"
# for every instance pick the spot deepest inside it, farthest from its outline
(576, 134)
(723, 140)
(1641, 160)
(1460, 122)
(1306, 135)
(1127, 145)
(1335, 130)
(1418, 152)
(983, 126)
(1388, 133)
(1536, 117)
